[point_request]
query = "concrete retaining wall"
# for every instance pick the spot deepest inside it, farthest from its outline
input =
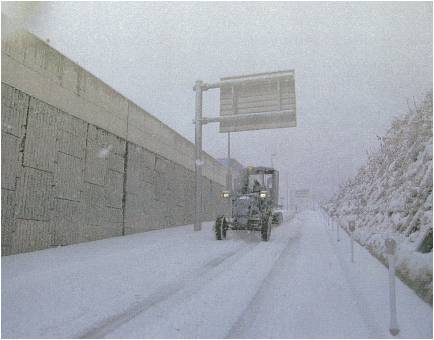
(81, 162)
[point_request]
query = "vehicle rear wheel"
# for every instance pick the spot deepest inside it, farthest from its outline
(266, 228)
(220, 228)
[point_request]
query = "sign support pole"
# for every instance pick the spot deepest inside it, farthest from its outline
(198, 164)
(229, 173)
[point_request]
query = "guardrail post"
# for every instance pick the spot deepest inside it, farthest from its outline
(390, 251)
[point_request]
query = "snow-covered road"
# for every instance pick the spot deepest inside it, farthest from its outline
(176, 283)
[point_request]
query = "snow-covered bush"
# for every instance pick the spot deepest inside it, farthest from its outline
(392, 196)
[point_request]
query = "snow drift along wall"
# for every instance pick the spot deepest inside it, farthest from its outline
(392, 196)
(81, 162)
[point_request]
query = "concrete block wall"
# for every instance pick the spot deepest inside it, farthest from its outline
(66, 181)
(80, 162)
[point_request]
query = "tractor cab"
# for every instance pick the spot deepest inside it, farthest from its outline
(257, 179)
(254, 203)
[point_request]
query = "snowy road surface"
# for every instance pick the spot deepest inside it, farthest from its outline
(175, 283)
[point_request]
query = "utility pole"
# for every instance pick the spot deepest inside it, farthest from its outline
(287, 191)
(272, 155)
(198, 164)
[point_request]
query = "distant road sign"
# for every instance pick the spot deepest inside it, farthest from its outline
(304, 193)
(258, 101)
(302, 198)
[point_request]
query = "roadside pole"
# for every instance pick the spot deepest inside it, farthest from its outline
(390, 251)
(229, 170)
(337, 231)
(287, 191)
(198, 159)
(352, 227)
(271, 159)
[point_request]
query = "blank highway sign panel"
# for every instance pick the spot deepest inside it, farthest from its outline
(259, 101)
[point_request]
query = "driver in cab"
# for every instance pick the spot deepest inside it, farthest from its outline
(256, 186)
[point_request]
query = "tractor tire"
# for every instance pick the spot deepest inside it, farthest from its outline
(266, 228)
(278, 218)
(220, 228)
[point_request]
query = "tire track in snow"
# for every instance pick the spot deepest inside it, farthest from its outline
(371, 324)
(300, 298)
(192, 313)
(180, 292)
(250, 275)
(244, 319)
(108, 325)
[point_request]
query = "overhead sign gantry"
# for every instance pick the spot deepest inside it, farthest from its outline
(261, 101)
(249, 102)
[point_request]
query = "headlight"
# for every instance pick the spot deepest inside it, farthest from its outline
(225, 194)
(263, 194)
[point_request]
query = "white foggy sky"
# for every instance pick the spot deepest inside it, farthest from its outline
(355, 66)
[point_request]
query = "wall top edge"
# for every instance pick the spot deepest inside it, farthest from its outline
(12, 31)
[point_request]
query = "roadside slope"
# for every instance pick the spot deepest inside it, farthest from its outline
(391, 196)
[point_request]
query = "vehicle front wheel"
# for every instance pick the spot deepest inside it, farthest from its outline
(266, 228)
(220, 228)
(278, 218)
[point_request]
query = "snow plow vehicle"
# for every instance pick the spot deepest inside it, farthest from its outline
(253, 204)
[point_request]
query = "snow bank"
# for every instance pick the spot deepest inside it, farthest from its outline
(391, 196)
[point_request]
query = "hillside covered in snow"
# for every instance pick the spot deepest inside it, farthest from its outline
(391, 196)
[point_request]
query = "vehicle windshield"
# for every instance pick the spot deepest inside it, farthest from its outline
(256, 182)
(269, 181)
